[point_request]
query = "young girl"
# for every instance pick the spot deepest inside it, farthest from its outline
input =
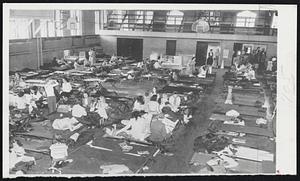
(101, 107)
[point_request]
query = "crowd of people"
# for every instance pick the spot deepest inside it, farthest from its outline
(152, 104)
(257, 58)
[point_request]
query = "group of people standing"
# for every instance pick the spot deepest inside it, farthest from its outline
(257, 58)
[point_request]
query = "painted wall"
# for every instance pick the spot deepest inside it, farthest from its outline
(23, 53)
(186, 42)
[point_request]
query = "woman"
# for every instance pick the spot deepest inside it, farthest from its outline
(139, 104)
(153, 105)
(137, 127)
(191, 66)
(217, 64)
(66, 87)
(210, 60)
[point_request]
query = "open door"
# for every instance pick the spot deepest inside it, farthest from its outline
(201, 51)
(129, 47)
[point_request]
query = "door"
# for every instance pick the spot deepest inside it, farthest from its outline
(129, 47)
(171, 47)
(201, 51)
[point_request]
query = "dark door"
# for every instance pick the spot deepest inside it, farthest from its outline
(236, 47)
(201, 52)
(171, 47)
(129, 47)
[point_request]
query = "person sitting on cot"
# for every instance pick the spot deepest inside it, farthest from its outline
(153, 105)
(137, 127)
(202, 72)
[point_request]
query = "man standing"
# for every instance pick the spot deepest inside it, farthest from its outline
(217, 64)
(51, 98)
(210, 60)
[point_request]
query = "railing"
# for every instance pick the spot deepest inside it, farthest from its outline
(217, 25)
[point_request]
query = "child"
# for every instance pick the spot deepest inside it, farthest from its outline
(101, 107)
(139, 104)
(86, 101)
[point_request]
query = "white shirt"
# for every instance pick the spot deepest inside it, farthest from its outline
(139, 128)
(66, 87)
(21, 102)
(153, 107)
(174, 100)
(49, 88)
(138, 106)
(101, 110)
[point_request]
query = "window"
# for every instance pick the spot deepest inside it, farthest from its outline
(148, 17)
(171, 47)
(175, 17)
(19, 28)
(245, 19)
(139, 17)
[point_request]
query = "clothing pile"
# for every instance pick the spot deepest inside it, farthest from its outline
(18, 160)
(115, 169)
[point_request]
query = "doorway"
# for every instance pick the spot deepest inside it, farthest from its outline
(129, 47)
(201, 51)
(171, 47)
